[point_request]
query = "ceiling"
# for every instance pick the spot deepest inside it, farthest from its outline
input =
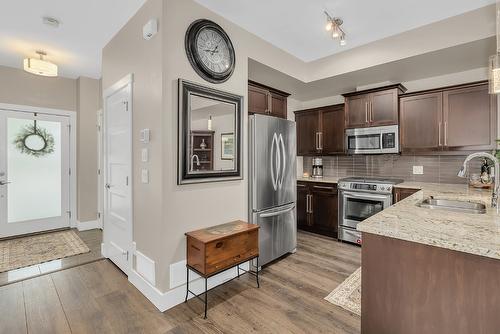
(461, 58)
(86, 27)
(298, 26)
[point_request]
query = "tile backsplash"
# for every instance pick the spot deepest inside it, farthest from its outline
(437, 168)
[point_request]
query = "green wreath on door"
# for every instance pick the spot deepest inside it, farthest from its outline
(34, 141)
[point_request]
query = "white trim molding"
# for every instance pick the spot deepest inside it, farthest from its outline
(166, 300)
(145, 267)
(71, 114)
(88, 225)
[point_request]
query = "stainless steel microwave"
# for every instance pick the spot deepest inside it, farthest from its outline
(375, 140)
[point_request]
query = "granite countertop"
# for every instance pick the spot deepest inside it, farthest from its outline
(477, 234)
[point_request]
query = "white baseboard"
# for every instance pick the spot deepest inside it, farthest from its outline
(88, 225)
(166, 300)
(145, 267)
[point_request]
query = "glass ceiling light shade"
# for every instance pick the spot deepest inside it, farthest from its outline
(333, 25)
(40, 66)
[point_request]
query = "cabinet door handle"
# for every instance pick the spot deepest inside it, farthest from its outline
(307, 203)
(311, 209)
(445, 133)
(324, 188)
(371, 111)
(439, 134)
(366, 112)
(320, 139)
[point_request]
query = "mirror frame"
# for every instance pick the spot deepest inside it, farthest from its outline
(185, 90)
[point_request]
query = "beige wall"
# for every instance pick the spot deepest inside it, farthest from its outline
(80, 95)
(164, 211)
(88, 101)
(129, 53)
(20, 87)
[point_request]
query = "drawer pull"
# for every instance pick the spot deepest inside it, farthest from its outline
(323, 188)
(219, 244)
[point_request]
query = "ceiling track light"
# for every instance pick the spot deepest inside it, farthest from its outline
(333, 25)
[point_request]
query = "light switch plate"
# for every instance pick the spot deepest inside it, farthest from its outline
(418, 170)
(145, 136)
(145, 176)
(144, 155)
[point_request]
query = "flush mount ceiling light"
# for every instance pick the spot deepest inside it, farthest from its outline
(333, 25)
(40, 66)
(51, 21)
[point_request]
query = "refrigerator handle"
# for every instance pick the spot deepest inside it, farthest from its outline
(283, 155)
(274, 161)
(277, 213)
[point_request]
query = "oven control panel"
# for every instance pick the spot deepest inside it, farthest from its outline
(370, 187)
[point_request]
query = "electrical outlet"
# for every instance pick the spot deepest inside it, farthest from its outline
(418, 170)
(145, 176)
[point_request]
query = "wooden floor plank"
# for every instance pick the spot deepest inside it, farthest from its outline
(44, 312)
(97, 298)
(12, 315)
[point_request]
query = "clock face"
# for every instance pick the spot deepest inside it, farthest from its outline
(213, 50)
(210, 51)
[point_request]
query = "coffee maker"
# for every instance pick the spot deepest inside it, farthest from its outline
(317, 167)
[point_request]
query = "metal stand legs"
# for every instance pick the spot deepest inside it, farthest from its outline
(205, 299)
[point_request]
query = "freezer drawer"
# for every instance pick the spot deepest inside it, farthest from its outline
(277, 233)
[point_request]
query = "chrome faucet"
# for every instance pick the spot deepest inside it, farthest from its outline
(197, 161)
(496, 183)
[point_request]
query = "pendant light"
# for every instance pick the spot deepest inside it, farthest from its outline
(494, 61)
(40, 66)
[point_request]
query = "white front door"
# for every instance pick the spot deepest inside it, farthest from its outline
(118, 181)
(34, 172)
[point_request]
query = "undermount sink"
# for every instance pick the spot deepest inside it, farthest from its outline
(453, 205)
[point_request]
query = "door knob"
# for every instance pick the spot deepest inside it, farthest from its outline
(3, 183)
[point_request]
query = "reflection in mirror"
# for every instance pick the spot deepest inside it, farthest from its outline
(212, 122)
(209, 134)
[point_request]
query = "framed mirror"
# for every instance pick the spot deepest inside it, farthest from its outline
(210, 123)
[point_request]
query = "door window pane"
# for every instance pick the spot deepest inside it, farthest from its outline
(35, 188)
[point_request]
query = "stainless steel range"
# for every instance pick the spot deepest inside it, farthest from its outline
(359, 199)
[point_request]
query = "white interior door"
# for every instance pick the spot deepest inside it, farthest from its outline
(34, 172)
(118, 182)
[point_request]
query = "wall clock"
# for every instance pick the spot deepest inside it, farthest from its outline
(210, 51)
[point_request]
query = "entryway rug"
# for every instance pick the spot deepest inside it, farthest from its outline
(36, 249)
(348, 294)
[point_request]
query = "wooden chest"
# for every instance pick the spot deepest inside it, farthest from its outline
(215, 249)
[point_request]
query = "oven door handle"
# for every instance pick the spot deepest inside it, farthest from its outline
(364, 196)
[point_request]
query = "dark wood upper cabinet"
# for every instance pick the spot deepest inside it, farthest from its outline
(320, 131)
(332, 129)
(308, 125)
(374, 107)
(420, 119)
(452, 120)
(258, 100)
(266, 100)
(469, 119)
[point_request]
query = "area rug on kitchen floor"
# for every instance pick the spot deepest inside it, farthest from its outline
(27, 251)
(348, 294)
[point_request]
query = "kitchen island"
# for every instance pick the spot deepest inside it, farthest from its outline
(431, 270)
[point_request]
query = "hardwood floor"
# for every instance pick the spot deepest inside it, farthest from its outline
(92, 239)
(97, 298)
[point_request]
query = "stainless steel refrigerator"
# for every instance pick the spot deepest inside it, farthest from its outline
(273, 185)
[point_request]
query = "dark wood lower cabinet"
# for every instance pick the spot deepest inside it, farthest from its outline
(413, 288)
(400, 194)
(317, 208)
